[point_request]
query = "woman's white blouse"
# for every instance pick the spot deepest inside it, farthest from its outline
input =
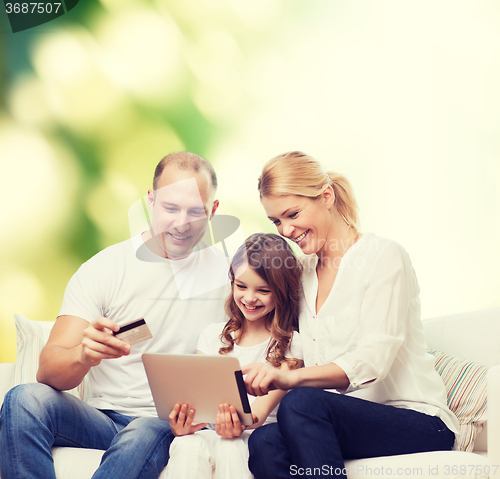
(370, 327)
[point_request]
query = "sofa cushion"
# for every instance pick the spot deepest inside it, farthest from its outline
(6, 373)
(74, 463)
(31, 338)
(435, 465)
(473, 335)
(465, 383)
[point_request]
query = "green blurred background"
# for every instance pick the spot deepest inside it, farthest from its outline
(401, 97)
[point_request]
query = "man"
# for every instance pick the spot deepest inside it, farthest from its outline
(138, 278)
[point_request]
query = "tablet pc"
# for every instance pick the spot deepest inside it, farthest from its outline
(201, 381)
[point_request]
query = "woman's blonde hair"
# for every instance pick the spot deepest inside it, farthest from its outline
(295, 173)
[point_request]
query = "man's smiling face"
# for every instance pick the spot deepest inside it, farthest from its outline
(181, 205)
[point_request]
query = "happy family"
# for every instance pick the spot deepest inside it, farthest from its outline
(330, 343)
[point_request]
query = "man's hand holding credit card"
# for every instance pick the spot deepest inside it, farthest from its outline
(134, 332)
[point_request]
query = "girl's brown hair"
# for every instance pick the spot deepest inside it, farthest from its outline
(295, 173)
(271, 257)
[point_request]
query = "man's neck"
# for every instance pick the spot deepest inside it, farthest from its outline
(154, 246)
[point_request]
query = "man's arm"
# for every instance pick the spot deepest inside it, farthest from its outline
(74, 346)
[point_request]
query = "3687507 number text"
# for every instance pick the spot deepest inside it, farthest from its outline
(32, 7)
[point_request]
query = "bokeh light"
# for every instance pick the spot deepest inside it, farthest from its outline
(142, 52)
(400, 97)
(37, 189)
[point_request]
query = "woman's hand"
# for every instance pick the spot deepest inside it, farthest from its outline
(227, 423)
(261, 378)
(182, 424)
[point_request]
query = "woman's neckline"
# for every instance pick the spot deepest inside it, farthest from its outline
(359, 239)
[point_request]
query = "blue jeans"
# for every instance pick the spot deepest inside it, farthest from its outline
(36, 417)
(318, 429)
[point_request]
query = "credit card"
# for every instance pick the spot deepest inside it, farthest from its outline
(134, 332)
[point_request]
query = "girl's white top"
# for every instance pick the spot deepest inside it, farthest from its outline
(210, 343)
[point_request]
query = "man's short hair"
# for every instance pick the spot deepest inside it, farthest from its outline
(185, 160)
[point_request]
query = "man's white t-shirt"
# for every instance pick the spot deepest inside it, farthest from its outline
(210, 342)
(126, 282)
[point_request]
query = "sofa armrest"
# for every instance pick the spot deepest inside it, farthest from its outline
(6, 372)
(494, 415)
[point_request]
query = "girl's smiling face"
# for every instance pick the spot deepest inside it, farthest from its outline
(252, 294)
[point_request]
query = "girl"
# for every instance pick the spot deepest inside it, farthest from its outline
(263, 310)
(361, 335)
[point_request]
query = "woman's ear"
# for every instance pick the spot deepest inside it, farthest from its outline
(328, 196)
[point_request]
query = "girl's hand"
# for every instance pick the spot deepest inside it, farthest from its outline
(182, 424)
(227, 423)
(261, 378)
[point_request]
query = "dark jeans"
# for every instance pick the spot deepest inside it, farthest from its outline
(318, 429)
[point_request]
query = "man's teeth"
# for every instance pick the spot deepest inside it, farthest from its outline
(179, 237)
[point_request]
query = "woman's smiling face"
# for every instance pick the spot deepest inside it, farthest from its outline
(304, 220)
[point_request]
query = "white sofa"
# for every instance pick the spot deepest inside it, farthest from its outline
(473, 336)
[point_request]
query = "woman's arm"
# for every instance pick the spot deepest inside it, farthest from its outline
(228, 423)
(263, 406)
(389, 314)
(261, 379)
(388, 296)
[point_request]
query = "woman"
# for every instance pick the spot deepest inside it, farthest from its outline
(361, 337)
